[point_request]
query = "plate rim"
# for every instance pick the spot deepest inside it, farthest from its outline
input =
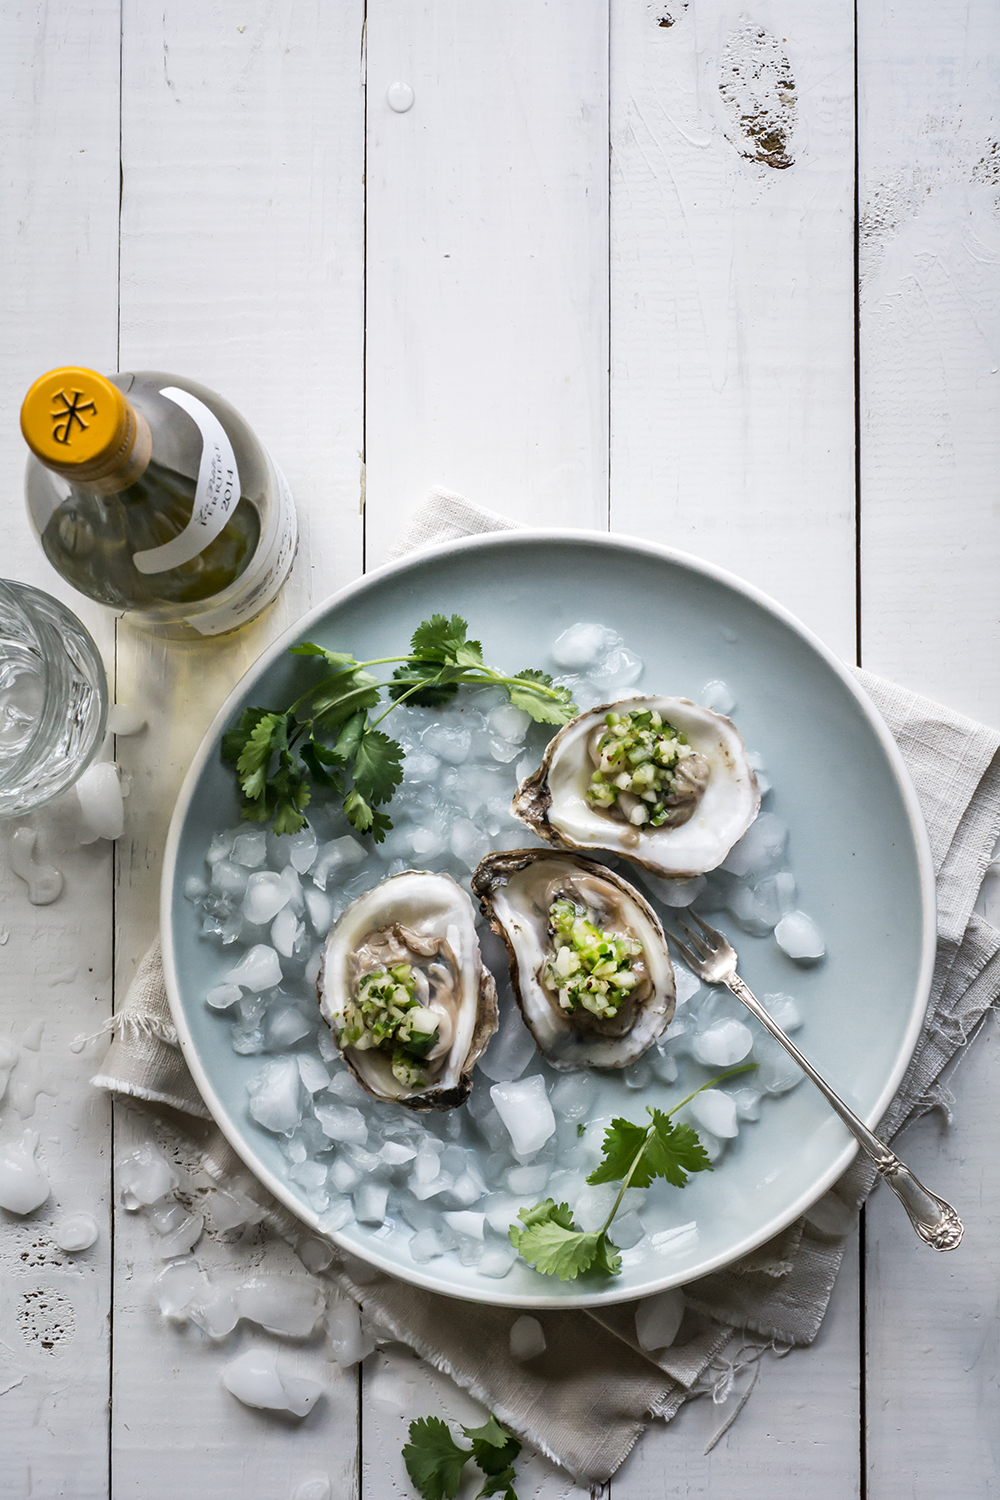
(493, 1295)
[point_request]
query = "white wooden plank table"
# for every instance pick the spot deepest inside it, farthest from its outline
(722, 279)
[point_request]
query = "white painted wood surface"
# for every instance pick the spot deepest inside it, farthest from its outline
(574, 280)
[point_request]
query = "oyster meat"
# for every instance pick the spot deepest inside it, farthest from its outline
(659, 781)
(588, 959)
(403, 988)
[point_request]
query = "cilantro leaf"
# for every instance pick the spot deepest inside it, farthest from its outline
(434, 693)
(543, 707)
(433, 1459)
(317, 758)
(441, 639)
(234, 740)
(673, 1152)
(551, 1242)
(268, 735)
(338, 659)
(365, 818)
(493, 1484)
(622, 1143)
(378, 766)
(493, 1447)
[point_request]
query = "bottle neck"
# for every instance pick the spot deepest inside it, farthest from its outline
(110, 473)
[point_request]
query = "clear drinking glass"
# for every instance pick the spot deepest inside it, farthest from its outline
(53, 698)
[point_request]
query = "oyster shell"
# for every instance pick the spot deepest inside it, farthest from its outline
(425, 924)
(516, 890)
(713, 801)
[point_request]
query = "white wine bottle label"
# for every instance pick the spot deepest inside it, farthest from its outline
(272, 561)
(216, 496)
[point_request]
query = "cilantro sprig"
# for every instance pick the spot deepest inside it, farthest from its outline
(327, 737)
(634, 1155)
(434, 1461)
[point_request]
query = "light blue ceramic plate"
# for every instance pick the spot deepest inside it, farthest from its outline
(857, 846)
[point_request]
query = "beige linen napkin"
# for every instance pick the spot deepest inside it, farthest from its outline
(585, 1400)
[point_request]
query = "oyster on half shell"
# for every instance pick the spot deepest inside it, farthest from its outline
(705, 800)
(588, 959)
(403, 988)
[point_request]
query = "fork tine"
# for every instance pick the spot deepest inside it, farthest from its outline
(694, 964)
(697, 942)
(710, 932)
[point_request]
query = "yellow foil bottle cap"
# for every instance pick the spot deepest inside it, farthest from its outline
(80, 425)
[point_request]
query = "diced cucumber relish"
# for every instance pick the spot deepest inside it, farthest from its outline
(639, 754)
(386, 1014)
(590, 969)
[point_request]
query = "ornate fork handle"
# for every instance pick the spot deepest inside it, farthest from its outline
(936, 1222)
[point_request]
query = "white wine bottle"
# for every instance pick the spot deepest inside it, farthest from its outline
(151, 495)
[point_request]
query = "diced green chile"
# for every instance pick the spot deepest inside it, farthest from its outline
(386, 1014)
(637, 757)
(589, 969)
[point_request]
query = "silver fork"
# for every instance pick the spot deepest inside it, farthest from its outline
(714, 960)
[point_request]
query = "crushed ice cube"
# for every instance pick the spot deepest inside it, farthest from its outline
(99, 794)
(527, 1340)
(254, 1379)
(266, 894)
(496, 1261)
(715, 1111)
(777, 1073)
(274, 1096)
(716, 696)
(451, 744)
(287, 931)
(510, 1049)
(628, 1230)
(290, 1303)
(177, 1286)
(222, 996)
(463, 1221)
(509, 723)
(426, 1245)
(181, 1239)
(258, 969)
(658, 1319)
(250, 849)
(336, 857)
(784, 1010)
(760, 848)
(469, 842)
(145, 1175)
(285, 1025)
(621, 668)
(798, 936)
(525, 1110)
(349, 1340)
(23, 1185)
(370, 1202)
(581, 645)
(722, 1045)
(302, 850)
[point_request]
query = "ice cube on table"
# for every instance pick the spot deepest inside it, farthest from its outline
(228, 1208)
(350, 1343)
(177, 1286)
(581, 645)
(258, 969)
(254, 1379)
(314, 1487)
(266, 894)
(715, 1111)
(290, 1304)
(525, 1110)
(99, 794)
(527, 1338)
(336, 858)
(23, 1185)
(75, 1232)
(658, 1319)
(798, 936)
(760, 848)
(370, 1202)
(182, 1239)
(310, 1175)
(275, 1096)
(145, 1174)
(215, 1312)
(250, 849)
(722, 1044)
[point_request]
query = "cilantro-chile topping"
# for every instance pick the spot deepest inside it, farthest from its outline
(588, 969)
(386, 1014)
(644, 767)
